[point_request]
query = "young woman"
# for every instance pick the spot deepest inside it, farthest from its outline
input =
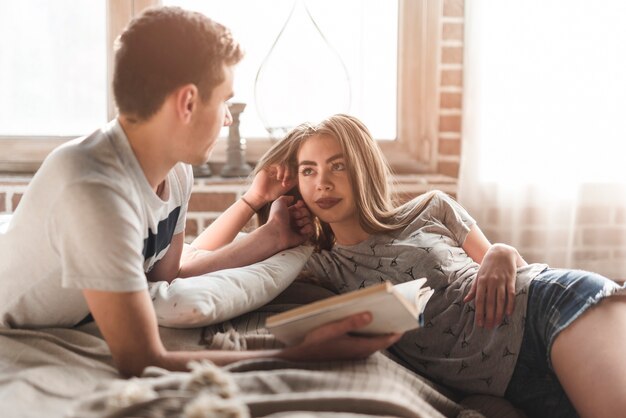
(551, 341)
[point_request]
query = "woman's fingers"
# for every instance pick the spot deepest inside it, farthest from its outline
(490, 305)
(500, 305)
(479, 303)
(472, 292)
(491, 299)
(510, 293)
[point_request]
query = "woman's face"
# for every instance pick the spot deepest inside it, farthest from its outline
(324, 181)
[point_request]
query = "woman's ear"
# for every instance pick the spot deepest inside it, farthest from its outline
(186, 99)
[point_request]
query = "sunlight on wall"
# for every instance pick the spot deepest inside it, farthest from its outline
(553, 92)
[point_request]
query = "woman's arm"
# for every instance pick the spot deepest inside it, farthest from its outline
(287, 227)
(494, 285)
(266, 187)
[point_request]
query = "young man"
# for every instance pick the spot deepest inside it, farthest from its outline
(107, 210)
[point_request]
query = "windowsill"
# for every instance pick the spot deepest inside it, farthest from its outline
(404, 182)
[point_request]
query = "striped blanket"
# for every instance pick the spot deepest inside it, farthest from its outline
(69, 372)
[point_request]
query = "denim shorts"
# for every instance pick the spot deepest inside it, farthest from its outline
(555, 299)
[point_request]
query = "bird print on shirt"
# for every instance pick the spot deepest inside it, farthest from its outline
(507, 352)
(409, 271)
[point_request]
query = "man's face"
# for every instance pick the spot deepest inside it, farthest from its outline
(210, 117)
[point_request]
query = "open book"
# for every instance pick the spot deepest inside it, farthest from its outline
(394, 309)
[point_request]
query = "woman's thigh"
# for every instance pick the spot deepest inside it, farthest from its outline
(557, 298)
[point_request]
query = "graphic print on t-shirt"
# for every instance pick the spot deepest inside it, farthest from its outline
(155, 243)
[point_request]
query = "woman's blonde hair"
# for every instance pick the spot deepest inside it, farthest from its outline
(368, 172)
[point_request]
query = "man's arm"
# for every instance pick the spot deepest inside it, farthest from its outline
(128, 323)
(168, 267)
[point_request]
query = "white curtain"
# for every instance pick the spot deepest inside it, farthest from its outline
(544, 129)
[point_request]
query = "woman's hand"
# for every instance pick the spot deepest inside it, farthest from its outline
(332, 341)
(269, 184)
(494, 286)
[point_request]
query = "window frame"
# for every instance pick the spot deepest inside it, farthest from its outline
(413, 151)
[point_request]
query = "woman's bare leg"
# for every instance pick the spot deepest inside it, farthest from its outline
(589, 358)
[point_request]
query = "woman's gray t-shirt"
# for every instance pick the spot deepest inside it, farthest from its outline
(449, 347)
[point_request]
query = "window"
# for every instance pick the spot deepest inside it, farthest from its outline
(393, 70)
(363, 33)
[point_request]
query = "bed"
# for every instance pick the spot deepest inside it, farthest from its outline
(69, 373)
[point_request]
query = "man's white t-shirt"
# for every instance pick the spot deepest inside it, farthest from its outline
(88, 220)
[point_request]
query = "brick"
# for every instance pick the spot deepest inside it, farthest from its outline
(450, 123)
(16, 200)
(210, 201)
(205, 221)
(594, 255)
(604, 236)
(450, 146)
(191, 227)
(532, 256)
(454, 8)
(448, 168)
(533, 237)
(493, 215)
(492, 234)
(19, 184)
(620, 216)
(3, 206)
(451, 100)
(452, 55)
(452, 78)
(535, 216)
(452, 32)
(588, 215)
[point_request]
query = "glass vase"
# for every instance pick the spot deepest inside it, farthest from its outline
(302, 78)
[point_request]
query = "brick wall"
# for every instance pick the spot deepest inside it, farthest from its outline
(451, 88)
(590, 238)
(212, 195)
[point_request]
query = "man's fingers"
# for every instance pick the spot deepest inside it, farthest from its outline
(343, 326)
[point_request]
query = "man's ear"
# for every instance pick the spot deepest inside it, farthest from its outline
(187, 99)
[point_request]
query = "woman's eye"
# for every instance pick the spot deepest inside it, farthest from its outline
(306, 171)
(338, 166)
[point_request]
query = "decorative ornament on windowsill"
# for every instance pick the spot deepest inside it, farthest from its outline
(235, 165)
(302, 78)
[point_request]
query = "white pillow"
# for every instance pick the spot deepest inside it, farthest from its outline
(225, 294)
(4, 223)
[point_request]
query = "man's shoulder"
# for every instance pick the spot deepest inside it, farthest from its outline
(88, 157)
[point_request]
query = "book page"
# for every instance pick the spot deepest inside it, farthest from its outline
(410, 290)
